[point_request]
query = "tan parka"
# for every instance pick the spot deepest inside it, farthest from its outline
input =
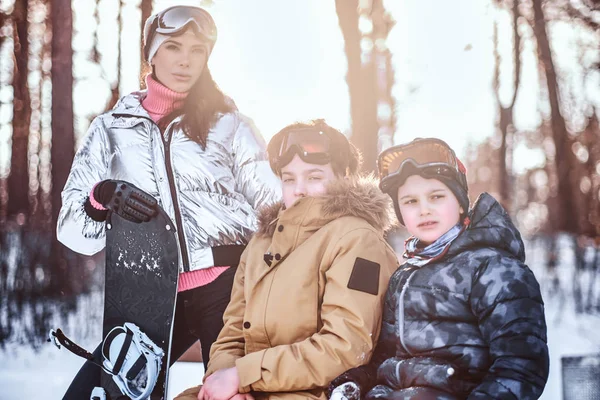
(307, 298)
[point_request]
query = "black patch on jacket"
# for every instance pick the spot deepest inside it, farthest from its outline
(365, 276)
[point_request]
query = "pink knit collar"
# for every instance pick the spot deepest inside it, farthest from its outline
(160, 100)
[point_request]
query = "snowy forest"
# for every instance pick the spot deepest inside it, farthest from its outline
(63, 62)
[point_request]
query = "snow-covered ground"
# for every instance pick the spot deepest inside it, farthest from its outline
(568, 336)
(46, 373)
(25, 374)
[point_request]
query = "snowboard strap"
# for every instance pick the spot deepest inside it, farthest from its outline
(60, 338)
(124, 349)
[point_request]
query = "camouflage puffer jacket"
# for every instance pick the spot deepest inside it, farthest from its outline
(470, 325)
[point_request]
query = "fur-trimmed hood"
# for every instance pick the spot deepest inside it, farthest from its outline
(358, 197)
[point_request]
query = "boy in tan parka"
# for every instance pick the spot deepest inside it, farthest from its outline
(307, 298)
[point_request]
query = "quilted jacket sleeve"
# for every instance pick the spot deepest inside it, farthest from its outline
(75, 229)
(507, 301)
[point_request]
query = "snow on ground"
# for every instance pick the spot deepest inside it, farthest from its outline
(25, 374)
(569, 335)
(184, 375)
(45, 374)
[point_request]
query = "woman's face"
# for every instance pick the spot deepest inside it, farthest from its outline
(301, 179)
(179, 61)
(428, 207)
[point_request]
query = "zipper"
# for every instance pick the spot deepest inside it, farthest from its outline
(171, 179)
(173, 190)
(401, 312)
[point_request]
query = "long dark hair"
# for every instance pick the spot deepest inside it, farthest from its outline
(200, 109)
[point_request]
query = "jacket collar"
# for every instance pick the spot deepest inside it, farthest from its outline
(131, 104)
(129, 111)
(289, 228)
(359, 197)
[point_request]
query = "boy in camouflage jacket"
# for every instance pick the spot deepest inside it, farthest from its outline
(463, 316)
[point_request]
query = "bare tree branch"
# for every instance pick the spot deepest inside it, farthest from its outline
(583, 15)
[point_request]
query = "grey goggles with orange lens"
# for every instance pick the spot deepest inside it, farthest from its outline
(312, 145)
(430, 158)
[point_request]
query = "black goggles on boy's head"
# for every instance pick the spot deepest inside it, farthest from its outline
(175, 19)
(430, 158)
(312, 145)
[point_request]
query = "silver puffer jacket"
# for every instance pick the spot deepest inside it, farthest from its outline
(211, 193)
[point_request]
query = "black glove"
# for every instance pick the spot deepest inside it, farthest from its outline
(428, 372)
(124, 199)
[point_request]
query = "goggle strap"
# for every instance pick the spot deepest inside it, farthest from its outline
(150, 37)
(461, 166)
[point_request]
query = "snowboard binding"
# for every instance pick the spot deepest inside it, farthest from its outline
(132, 359)
(100, 394)
(128, 355)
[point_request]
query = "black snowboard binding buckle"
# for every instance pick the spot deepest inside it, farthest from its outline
(132, 359)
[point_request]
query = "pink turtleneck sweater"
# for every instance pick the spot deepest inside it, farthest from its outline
(160, 101)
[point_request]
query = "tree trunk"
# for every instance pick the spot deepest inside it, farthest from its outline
(4, 18)
(384, 70)
(589, 218)
(44, 195)
(146, 9)
(18, 179)
(567, 219)
(362, 85)
(506, 121)
(63, 133)
(114, 90)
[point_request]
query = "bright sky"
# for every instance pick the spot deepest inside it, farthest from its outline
(283, 60)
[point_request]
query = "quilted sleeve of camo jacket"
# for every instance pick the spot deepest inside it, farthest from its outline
(507, 302)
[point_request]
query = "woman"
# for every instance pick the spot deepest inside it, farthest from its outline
(183, 143)
(307, 297)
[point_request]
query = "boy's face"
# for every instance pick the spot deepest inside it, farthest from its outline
(428, 207)
(301, 179)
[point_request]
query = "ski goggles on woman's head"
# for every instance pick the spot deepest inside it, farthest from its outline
(174, 20)
(311, 144)
(430, 158)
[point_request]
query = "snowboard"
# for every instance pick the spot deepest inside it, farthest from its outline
(141, 285)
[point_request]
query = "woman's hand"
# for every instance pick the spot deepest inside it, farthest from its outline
(222, 385)
(125, 199)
